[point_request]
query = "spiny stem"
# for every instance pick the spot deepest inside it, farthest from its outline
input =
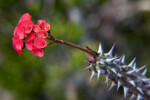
(95, 54)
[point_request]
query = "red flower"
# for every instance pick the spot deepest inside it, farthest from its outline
(45, 26)
(19, 51)
(43, 34)
(18, 32)
(34, 36)
(38, 52)
(27, 25)
(31, 36)
(29, 45)
(36, 28)
(24, 17)
(40, 42)
(18, 43)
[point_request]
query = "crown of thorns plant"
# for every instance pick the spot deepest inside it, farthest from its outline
(133, 80)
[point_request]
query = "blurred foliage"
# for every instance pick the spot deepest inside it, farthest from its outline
(60, 27)
(60, 73)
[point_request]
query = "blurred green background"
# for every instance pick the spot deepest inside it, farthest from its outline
(60, 74)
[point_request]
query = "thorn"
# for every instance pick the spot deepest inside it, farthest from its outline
(112, 85)
(107, 80)
(100, 50)
(130, 72)
(111, 51)
(118, 86)
(119, 59)
(140, 90)
(119, 75)
(113, 69)
(138, 70)
(89, 67)
(146, 79)
(110, 60)
(132, 96)
(99, 74)
(139, 97)
(134, 66)
(123, 59)
(123, 66)
(144, 72)
(132, 62)
(132, 82)
(125, 91)
(102, 62)
(92, 75)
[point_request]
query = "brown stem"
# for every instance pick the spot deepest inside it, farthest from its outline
(50, 42)
(75, 46)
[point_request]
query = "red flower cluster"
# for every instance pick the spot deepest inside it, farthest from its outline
(31, 36)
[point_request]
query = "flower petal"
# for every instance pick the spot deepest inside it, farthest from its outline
(38, 52)
(40, 42)
(24, 17)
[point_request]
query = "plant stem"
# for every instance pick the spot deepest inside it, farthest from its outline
(51, 42)
(93, 53)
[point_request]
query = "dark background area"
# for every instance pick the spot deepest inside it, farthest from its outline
(60, 74)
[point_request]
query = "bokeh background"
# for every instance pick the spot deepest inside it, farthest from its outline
(60, 74)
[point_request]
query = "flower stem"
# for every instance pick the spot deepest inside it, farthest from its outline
(89, 51)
